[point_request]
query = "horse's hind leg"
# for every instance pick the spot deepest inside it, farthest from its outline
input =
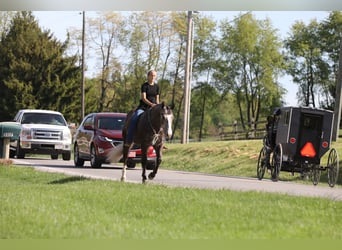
(125, 156)
(143, 174)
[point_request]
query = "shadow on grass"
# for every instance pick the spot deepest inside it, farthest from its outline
(69, 179)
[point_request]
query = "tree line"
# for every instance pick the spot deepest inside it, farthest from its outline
(236, 65)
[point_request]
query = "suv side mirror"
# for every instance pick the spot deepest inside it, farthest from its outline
(88, 127)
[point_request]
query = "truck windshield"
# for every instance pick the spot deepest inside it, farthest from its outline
(42, 118)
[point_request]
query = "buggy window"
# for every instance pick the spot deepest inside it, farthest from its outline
(312, 122)
(287, 118)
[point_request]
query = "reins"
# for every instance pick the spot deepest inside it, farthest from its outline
(156, 135)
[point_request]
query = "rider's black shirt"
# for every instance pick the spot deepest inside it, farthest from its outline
(151, 94)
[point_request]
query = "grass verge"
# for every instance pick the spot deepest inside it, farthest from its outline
(232, 158)
(39, 205)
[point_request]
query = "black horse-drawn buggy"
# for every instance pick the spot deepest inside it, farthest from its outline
(296, 140)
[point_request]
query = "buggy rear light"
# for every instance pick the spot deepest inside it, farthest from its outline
(325, 144)
(308, 150)
(293, 140)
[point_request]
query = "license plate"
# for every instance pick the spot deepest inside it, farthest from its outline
(58, 146)
(131, 154)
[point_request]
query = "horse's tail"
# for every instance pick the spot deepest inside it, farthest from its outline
(115, 154)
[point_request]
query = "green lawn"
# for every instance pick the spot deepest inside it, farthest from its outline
(40, 205)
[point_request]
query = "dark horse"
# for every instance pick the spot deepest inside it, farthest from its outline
(150, 131)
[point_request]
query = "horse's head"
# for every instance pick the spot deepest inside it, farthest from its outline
(166, 115)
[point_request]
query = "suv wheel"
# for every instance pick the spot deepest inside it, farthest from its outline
(94, 161)
(130, 164)
(77, 160)
(150, 165)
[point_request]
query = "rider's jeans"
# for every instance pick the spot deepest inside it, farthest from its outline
(132, 125)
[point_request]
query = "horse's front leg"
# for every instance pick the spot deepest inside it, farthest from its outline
(123, 174)
(158, 162)
(143, 163)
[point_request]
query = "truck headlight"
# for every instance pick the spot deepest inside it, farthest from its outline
(66, 135)
(25, 134)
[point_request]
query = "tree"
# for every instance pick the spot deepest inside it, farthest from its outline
(157, 41)
(106, 32)
(204, 96)
(177, 60)
(5, 19)
(250, 65)
(34, 73)
(204, 105)
(306, 62)
(150, 42)
(331, 38)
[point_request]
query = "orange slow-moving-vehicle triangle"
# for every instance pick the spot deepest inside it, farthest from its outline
(308, 150)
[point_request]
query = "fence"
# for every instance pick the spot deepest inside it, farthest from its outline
(235, 131)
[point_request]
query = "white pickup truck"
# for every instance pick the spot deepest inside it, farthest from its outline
(42, 132)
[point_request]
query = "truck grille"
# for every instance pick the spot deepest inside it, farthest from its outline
(47, 134)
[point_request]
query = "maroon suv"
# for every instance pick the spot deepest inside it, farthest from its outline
(98, 134)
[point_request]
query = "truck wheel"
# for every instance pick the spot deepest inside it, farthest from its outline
(12, 154)
(66, 156)
(20, 153)
(54, 156)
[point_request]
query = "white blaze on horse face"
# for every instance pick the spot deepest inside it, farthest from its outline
(169, 119)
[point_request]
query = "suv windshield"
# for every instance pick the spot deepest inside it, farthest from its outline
(41, 118)
(111, 123)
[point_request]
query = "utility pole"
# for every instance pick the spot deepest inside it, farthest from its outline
(83, 67)
(187, 77)
(338, 104)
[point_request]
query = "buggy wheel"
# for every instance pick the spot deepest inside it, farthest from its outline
(315, 174)
(332, 167)
(261, 167)
(277, 160)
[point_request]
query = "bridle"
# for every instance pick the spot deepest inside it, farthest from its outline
(156, 135)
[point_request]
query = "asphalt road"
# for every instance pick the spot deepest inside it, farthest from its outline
(185, 179)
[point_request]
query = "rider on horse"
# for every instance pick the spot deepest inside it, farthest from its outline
(149, 97)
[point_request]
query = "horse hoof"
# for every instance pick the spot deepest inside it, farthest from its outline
(151, 176)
